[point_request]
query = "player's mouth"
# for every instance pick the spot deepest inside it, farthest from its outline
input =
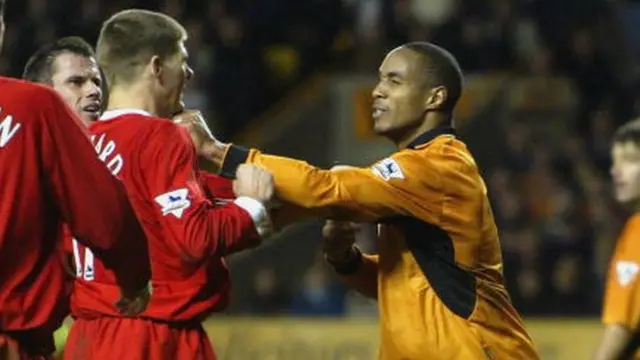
(93, 108)
(378, 111)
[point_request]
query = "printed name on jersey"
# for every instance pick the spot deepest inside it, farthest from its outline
(107, 153)
(174, 202)
(626, 272)
(8, 129)
(388, 169)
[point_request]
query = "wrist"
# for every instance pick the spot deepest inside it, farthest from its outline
(214, 151)
(347, 264)
(231, 157)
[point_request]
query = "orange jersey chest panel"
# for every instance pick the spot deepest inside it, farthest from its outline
(622, 294)
(441, 289)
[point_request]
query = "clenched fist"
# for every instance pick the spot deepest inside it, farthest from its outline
(194, 122)
(134, 304)
(339, 239)
(254, 182)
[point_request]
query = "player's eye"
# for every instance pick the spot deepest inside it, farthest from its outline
(76, 81)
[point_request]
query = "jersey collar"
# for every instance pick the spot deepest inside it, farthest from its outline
(110, 114)
(431, 134)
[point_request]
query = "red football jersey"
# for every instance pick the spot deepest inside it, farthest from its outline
(188, 234)
(49, 175)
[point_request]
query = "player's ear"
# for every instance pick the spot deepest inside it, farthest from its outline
(156, 66)
(435, 98)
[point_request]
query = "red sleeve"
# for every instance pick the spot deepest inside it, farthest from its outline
(199, 228)
(216, 187)
(92, 202)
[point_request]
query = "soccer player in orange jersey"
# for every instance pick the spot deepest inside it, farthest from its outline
(621, 310)
(438, 276)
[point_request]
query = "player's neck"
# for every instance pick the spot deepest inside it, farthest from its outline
(431, 121)
(132, 97)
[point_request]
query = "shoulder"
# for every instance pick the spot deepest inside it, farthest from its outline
(165, 133)
(449, 160)
(29, 94)
(33, 103)
(629, 241)
(145, 126)
(164, 137)
(23, 88)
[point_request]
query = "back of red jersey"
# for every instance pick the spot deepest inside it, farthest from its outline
(188, 235)
(49, 174)
(27, 216)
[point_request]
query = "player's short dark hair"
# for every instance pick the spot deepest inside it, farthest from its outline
(629, 132)
(39, 68)
(129, 39)
(441, 69)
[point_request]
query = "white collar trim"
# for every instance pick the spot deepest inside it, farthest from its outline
(110, 114)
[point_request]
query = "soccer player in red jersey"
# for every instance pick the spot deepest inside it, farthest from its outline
(49, 175)
(145, 60)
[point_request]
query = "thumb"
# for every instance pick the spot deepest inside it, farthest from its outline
(235, 186)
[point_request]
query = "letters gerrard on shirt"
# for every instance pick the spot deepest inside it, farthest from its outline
(622, 293)
(188, 234)
(43, 146)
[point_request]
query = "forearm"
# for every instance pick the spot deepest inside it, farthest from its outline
(613, 343)
(354, 195)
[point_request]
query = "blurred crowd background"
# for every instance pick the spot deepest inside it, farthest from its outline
(548, 177)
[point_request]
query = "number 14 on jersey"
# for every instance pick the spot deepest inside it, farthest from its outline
(83, 259)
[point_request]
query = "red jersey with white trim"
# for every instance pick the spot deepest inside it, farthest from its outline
(50, 175)
(188, 234)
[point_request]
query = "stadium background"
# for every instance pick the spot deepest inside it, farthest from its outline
(548, 81)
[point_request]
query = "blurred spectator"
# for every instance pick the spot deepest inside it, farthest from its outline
(269, 296)
(319, 294)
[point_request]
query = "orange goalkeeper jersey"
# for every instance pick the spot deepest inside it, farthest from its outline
(438, 276)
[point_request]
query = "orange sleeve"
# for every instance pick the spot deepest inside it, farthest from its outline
(622, 294)
(405, 183)
(365, 279)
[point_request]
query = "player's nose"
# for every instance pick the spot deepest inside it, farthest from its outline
(378, 91)
(93, 91)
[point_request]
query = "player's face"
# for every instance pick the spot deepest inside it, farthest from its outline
(400, 100)
(176, 76)
(77, 79)
(625, 171)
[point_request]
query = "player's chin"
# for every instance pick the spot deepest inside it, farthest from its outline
(382, 127)
(90, 116)
(627, 199)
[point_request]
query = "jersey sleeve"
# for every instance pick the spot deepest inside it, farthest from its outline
(217, 188)
(622, 293)
(93, 203)
(400, 185)
(198, 228)
(365, 279)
